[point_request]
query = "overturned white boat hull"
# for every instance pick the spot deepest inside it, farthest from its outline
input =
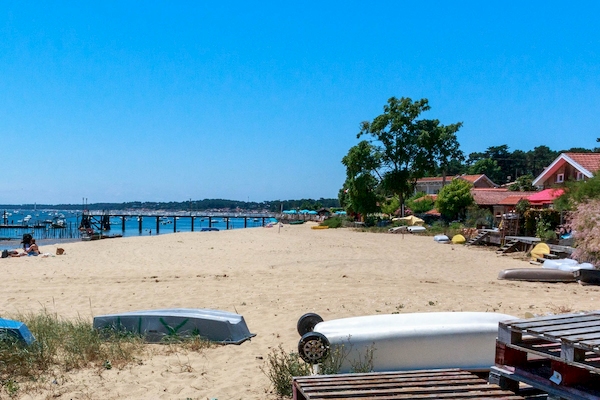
(397, 342)
(157, 325)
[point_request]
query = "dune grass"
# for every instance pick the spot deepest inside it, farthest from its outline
(63, 345)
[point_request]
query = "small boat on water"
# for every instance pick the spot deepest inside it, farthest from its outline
(157, 325)
(397, 342)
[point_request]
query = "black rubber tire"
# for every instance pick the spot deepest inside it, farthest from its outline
(313, 347)
(307, 323)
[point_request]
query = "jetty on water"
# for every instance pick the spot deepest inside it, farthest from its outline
(104, 224)
(102, 221)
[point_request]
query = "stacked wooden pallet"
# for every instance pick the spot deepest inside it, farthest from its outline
(451, 384)
(559, 355)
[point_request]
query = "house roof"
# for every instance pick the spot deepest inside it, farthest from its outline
(432, 179)
(427, 196)
(498, 196)
(586, 163)
(489, 197)
(545, 196)
(476, 178)
(589, 161)
(469, 178)
(513, 199)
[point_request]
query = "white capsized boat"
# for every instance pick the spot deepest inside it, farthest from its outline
(465, 340)
(156, 325)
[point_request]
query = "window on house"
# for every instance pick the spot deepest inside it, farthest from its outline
(560, 178)
(580, 176)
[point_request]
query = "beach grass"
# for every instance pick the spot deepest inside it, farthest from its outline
(61, 346)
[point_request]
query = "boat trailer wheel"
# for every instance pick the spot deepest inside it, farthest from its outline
(307, 323)
(313, 347)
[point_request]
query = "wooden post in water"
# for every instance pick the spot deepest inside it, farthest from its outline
(245, 222)
(192, 223)
(140, 223)
(174, 224)
(227, 223)
(123, 223)
(157, 225)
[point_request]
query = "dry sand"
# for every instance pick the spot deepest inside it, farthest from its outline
(269, 276)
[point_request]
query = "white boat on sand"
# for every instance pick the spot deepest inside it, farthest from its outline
(397, 342)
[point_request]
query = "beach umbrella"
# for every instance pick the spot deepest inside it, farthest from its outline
(341, 212)
(304, 211)
(289, 211)
(312, 212)
(411, 220)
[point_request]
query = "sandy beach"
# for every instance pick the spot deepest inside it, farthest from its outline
(271, 276)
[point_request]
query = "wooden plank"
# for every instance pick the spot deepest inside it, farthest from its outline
(429, 384)
(591, 365)
(536, 324)
(586, 332)
(393, 382)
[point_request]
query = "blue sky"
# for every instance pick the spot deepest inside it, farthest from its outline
(167, 101)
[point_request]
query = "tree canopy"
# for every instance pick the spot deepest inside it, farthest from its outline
(454, 198)
(402, 148)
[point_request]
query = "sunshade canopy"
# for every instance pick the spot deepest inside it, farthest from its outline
(546, 196)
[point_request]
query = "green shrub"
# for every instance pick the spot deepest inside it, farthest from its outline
(282, 367)
(333, 222)
(549, 218)
(478, 217)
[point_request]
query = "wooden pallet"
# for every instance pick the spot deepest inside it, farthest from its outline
(569, 338)
(451, 384)
(559, 354)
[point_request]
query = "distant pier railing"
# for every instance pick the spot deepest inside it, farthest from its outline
(14, 232)
(98, 220)
(153, 223)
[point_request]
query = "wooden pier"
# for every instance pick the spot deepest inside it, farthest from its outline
(100, 221)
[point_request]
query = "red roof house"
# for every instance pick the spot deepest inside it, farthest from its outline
(432, 185)
(568, 166)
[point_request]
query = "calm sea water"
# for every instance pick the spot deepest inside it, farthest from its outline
(10, 237)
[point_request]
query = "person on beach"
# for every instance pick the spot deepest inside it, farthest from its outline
(30, 248)
(33, 249)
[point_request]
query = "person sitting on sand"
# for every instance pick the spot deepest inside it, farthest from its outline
(33, 249)
(29, 249)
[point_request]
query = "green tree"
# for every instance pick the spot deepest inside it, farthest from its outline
(501, 155)
(420, 203)
(523, 184)
(390, 206)
(405, 147)
(539, 158)
(578, 192)
(454, 198)
(359, 194)
(488, 167)
(517, 165)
